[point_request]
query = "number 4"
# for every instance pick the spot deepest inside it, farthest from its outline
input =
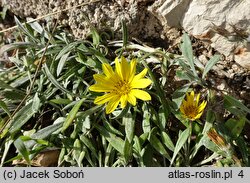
(240, 174)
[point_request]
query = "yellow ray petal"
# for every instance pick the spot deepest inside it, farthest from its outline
(103, 99)
(202, 106)
(118, 68)
(125, 68)
(140, 94)
(141, 74)
(141, 83)
(131, 99)
(132, 68)
(100, 78)
(107, 69)
(124, 100)
(197, 99)
(197, 116)
(112, 105)
(101, 88)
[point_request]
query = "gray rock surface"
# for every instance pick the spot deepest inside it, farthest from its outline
(225, 24)
(106, 14)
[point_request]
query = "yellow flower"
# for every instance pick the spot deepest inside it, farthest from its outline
(190, 107)
(121, 85)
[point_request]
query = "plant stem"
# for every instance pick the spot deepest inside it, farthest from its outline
(188, 145)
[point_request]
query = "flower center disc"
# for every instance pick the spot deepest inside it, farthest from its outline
(122, 88)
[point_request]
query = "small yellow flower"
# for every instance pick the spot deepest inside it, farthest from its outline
(190, 107)
(121, 85)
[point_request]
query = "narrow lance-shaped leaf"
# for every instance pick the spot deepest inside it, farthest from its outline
(61, 63)
(167, 141)
(115, 141)
(4, 107)
(23, 115)
(235, 126)
(89, 144)
(124, 33)
(180, 142)
(210, 64)
(187, 52)
(179, 95)
(22, 149)
(72, 115)
(127, 150)
(129, 123)
(156, 143)
(25, 30)
(231, 101)
(53, 80)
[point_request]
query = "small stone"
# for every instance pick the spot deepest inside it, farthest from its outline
(203, 59)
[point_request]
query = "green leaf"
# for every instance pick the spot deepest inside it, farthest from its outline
(13, 95)
(72, 115)
(107, 155)
(9, 47)
(210, 64)
(146, 119)
(22, 116)
(210, 118)
(129, 123)
(233, 102)
(7, 144)
(47, 131)
(3, 85)
(89, 144)
(179, 95)
(124, 33)
(60, 101)
(162, 121)
(244, 149)
(61, 63)
(156, 143)
(3, 11)
(99, 55)
(37, 27)
(25, 30)
(22, 149)
(127, 150)
(180, 142)
(110, 128)
(95, 36)
(54, 81)
(4, 107)
(36, 102)
(235, 126)
(77, 149)
(137, 144)
(187, 52)
(67, 49)
(167, 141)
(115, 141)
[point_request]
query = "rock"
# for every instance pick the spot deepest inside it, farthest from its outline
(225, 23)
(242, 56)
(170, 12)
(104, 15)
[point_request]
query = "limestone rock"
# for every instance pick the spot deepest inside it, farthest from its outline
(242, 57)
(225, 23)
(104, 15)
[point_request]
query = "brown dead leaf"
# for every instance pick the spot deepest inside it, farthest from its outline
(46, 158)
